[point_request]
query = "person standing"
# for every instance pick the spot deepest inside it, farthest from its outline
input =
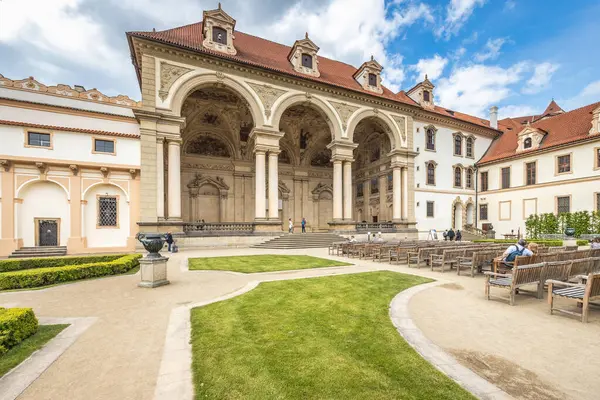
(169, 240)
(458, 235)
(303, 225)
(451, 234)
(290, 226)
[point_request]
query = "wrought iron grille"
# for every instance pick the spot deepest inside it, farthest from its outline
(48, 233)
(107, 211)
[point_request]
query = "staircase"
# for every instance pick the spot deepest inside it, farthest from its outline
(301, 241)
(42, 251)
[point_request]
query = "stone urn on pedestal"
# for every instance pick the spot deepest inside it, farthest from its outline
(153, 266)
(569, 239)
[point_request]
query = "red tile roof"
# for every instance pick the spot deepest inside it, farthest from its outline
(266, 54)
(67, 129)
(560, 129)
(552, 108)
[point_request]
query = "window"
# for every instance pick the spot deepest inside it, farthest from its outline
(107, 211)
(505, 178)
(458, 177)
(430, 173)
(219, 35)
(426, 96)
(359, 189)
(390, 182)
(530, 173)
(597, 201)
(563, 204)
(483, 212)
(470, 147)
(469, 178)
(598, 157)
(307, 61)
(564, 164)
(430, 207)
(483, 181)
(38, 139)
(104, 146)
(527, 143)
(430, 136)
(458, 145)
(374, 186)
(373, 80)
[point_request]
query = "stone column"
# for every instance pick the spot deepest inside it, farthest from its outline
(174, 178)
(397, 198)
(9, 219)
(405, 193)
(160, 178)
(347, 190)
(383, 197)
(273, 185)
(259, 181)
(337, 190)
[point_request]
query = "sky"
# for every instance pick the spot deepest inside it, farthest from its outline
(515, 54)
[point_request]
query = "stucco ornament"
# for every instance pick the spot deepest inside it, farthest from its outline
(169, 73)
(344, 111)
(267, 95)
(401, 121)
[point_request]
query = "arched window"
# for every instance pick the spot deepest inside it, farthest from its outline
(430, 138)
(430, 173)
(219, 35)
(457, 145)
(469, 178)
(469, 147)
(527, 143)
(307, 60)
(457, 177)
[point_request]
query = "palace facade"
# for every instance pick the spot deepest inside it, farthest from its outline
(236, 134)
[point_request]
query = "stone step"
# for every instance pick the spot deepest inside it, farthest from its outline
(300, 241)
(41, 251)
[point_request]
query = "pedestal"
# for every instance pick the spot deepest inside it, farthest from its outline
(153, 271)
(569, 242)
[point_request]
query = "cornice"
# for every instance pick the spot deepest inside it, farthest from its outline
(427, 116)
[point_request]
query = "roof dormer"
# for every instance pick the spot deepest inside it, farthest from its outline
(595, 130)
(217, 28)
(369, 76)
(422, 93)
(529, 138)
(303, 57)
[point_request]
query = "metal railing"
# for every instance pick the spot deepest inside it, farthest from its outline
(235, 227)
(375, 226)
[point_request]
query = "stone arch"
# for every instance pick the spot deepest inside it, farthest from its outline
(32, 181)
(284, 146)
(291, 99)
(358, 116)
(104, 236)
(85, 192)
(194, 80)
(221, 138)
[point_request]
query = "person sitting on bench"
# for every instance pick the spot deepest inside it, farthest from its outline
(513, 251)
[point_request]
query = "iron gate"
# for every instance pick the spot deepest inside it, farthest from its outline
(48, 232)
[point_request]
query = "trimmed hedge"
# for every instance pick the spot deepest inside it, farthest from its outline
(16, 325)
(37, 277)
(546, 242)
(29, 263)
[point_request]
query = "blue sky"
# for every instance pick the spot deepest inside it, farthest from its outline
(517, 54)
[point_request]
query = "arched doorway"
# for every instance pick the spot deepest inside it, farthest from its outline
(470, 214)
(458, 215)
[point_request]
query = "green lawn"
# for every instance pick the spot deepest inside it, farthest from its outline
(261, 263)
(320, 338)
(20, 352)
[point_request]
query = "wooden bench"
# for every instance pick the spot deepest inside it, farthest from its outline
(556, 270)
(521, 276)
(582, 294)
(448, 257)
(400, 253)
(477, 261)
(415, 258)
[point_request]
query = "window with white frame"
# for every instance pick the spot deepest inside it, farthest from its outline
(430, 173)
(104, 146)
(469, 146)
(469, 178)
(457, 145)
(430, 139)
(483, 212)
(457, 176)
(37, 139)
(564, 164)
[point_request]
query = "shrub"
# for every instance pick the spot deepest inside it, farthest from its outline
(583, 222)
(29, 263)
(581, 242)
(16, 325)
(47, 276)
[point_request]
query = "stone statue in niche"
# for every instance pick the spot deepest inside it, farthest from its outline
(245, 130)
(304, 138)
(375, 154)
(208, 146)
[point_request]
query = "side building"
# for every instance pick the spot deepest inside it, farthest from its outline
(70, 168)
(548, 163)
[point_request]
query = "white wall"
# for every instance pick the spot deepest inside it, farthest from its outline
(520, 200)
(105, 237)
(42, 199)
(69, 146)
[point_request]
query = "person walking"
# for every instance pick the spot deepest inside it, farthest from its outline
(303, 225)
(290, 226)
(445, 234)
(169, 240)
(451, 234)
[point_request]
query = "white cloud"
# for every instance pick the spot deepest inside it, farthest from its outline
(457, 14)
(541, 78)
(519, 110)
(433, 67)
(593, 89)
(351, 30)
(491, 50)
(56, 28)
(510, 5)
(588, 95)
(474, 88)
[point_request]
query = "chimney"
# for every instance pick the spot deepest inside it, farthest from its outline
(494, 117)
